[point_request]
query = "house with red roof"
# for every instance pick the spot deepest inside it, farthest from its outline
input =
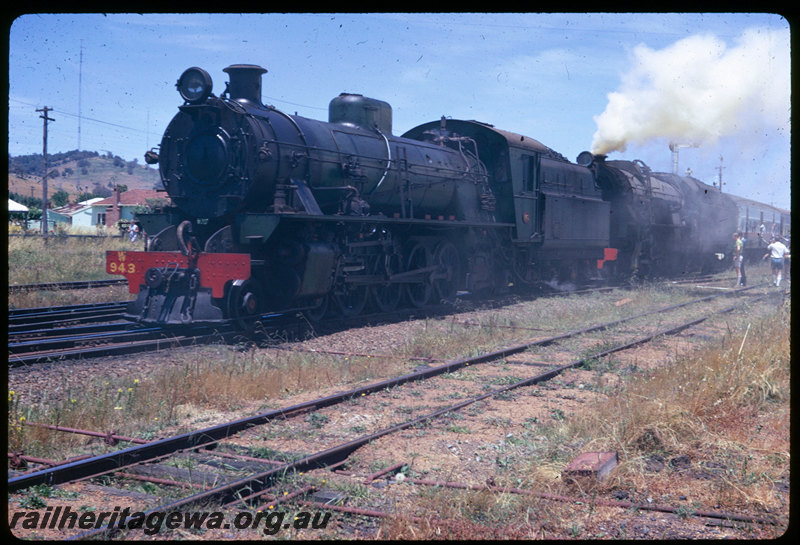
(122, 205)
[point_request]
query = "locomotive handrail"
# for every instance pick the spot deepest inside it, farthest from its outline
(388, 161)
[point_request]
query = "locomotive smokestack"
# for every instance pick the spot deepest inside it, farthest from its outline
(245, 82)
(587, 158)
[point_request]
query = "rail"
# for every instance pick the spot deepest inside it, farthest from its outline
(79, 285)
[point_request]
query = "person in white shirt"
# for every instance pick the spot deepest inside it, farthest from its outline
(133, 232)
(778, 251)
(738, 258)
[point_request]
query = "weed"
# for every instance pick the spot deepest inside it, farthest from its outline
(32, 501)
(43, 490)
(317, 420)
(684, 511)
(149, 488)
(454, 428)
(504, 380)
(352, 490)
(499, 421)
(184, 463)
(530, 422)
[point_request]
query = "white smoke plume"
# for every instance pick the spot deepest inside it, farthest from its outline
(699, 90)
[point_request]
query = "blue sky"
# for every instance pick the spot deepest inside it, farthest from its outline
(558, 78)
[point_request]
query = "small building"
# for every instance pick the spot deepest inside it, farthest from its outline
(75, 214)
(14, 206)
(17, 213)
(122, 205)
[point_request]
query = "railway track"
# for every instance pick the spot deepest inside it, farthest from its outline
(76, 285)
(40, 335)
(49, 334)
(48, 318)
(251, 488)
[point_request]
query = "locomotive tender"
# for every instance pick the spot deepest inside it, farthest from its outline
(273, 212)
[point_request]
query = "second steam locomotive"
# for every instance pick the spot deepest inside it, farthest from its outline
(274, 212)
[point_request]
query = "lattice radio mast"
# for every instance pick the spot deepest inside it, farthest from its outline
(80, 92)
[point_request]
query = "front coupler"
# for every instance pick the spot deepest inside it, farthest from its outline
(176, 289)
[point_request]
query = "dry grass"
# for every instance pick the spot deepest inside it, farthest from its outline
(50, 298)
(713, 407)
(452, 338)
(471, 515)
(212, 380)
(31, 260)
(726, 408)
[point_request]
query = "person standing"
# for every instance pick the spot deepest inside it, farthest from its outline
(738, 259)
(133, 231)
(778, 251)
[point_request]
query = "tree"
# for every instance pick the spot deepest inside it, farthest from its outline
(27, 200)
(101, 191)
(60, 198)
(151, 205)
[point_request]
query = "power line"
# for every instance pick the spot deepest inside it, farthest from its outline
(145, 132)
(295, 103)
(117, 125)
(80, 117)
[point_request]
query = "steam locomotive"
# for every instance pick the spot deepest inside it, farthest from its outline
(275, 212)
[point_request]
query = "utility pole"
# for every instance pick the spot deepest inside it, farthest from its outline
(44, 178)
(720, 167)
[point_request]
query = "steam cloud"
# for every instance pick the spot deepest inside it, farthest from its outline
(698, 90)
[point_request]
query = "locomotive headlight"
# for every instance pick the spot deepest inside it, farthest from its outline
(194, 85)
